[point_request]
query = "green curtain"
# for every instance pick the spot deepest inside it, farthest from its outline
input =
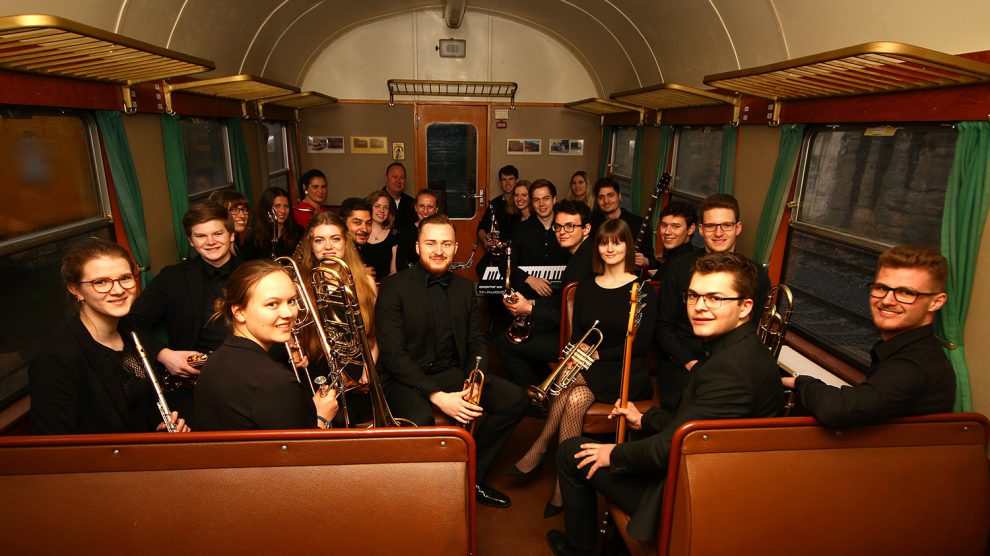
(636, 183)
(239, 157)
(663, 155)
(966, 199)
(606, 147)
(178, 188)
(773, 206)
(730, 134)
(125, 184)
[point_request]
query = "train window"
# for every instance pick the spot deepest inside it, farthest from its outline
(862, 189)
(452, 166)
(623, 160)
(278, 156)
(207, 151)
(698, 161)
(53, 181)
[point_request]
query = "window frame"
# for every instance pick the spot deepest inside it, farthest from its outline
(286, 156)
(674, 159)
(34, 239)
(227, 159)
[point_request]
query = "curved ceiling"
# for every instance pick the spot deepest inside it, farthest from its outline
(624, 44)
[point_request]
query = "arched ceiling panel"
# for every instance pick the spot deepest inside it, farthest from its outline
(96, 13)
(754, 31)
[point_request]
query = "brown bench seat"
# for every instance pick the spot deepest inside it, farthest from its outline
(384, 491)
(918, 486)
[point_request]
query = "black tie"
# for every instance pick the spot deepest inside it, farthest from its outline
(443, 280)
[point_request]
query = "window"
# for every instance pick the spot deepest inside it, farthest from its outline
(623, 160)
(452, 166)
(861, 190)
(278, 156)
(207, 152)
(54, 193)
(697, 161)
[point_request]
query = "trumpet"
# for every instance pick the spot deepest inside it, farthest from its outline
(476, 382)
(162, 404)
(518, 331)
(575, 359)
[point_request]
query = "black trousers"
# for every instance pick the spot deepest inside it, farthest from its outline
(526, 363)
(580, 498)
(504, 403)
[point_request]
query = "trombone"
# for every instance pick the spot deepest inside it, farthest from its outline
(575, 360)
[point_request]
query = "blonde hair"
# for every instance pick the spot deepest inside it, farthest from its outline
(589, 197)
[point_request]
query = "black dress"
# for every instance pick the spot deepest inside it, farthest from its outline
(611, 307)
(379, 255)
(243, 388)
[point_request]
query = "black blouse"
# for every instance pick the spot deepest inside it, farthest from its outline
(379, 255)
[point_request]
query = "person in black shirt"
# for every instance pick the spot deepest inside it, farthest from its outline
(181, 298)
(738, 380)
(720, 227)
(535, 244)
(678, 220)
(909, 372)
(242, 387)
(526, 363)
(380, 250)
(405, 254)
(609, 198)
(498, 207)
(274, 201)
(91, 379)
(395, 186)
(429, 334)
(355, 212)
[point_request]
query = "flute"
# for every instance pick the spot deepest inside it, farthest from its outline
(162, 404)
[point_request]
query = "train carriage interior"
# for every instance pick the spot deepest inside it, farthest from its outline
(842, 127)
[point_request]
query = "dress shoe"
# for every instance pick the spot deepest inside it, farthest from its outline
(560, 546)
(514, 471)
(551, 510)
(488, 496)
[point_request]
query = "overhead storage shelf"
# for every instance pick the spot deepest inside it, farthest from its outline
(50, 45)
(480, 89)
(874, 67)
(244, 88)
(667, 96)
(297, 101)
(604, 107)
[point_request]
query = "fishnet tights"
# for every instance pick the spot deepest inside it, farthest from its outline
(566, 417)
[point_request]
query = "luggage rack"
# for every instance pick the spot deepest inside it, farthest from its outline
(421, 87)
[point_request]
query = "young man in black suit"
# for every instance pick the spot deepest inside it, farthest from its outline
(609, 199)
(498, 206)
(181, 298)
(738, 380)
(429, 333)
(909, 372)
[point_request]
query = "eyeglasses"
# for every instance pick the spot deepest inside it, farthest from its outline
(104, 285)
(568, 227)
(712, 301)
(902, 295)
(725, 226)
(240, 208)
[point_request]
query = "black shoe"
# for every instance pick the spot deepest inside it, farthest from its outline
(537, 411)
(488, 496)
(551, 510)
(560, 546)
(514, 471)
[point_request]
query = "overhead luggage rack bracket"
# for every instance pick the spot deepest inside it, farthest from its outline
(604, 106)
(296, 101)
(870, 68)
(672, 96)
(50, 45)
(244, 88)
(482, 89)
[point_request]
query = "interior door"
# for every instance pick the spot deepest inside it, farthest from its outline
(452, 158)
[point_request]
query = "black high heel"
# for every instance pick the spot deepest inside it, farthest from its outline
(551, 510)
(514, 470)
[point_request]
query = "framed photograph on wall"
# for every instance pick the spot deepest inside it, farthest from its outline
(323, 144)
(566, 147)
(524, 146)
(369, 145)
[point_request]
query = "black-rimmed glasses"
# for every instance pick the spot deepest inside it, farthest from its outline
(725, 226)
(568, 227)
(902, 295)
(712, 300)
(104, 285)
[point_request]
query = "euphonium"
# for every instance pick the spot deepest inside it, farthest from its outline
(773, 327)
(476, 382)
(575, 359)
(518, 331)
(339, 311)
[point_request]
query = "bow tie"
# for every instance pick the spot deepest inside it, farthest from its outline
(443, 280)
(222, 273)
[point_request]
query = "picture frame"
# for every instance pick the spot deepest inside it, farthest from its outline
(566, 147)
(361, 144)
(525, 147)
(325, 144)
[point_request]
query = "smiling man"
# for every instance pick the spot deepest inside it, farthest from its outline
(909, 372)
(429, 333)
(738, 380)
(534, 242)
(608, 195)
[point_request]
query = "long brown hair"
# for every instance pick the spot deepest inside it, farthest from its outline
(379, 194)
(614, 231)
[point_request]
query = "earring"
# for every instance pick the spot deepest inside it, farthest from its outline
(81, 300)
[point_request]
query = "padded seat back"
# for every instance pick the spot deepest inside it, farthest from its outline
(273, 492)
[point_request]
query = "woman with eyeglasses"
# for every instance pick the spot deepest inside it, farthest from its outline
(237, 205)
(91, 380)
(605, 299)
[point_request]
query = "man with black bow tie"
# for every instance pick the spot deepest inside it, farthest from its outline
(429, 333)
(181, 298)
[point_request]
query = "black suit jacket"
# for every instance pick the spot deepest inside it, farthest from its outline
(405, 213)
(739, 380)
(404, 326)
(546, 310)
(75, 388)
(174, 298)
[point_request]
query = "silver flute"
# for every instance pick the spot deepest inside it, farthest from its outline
(162, 404)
